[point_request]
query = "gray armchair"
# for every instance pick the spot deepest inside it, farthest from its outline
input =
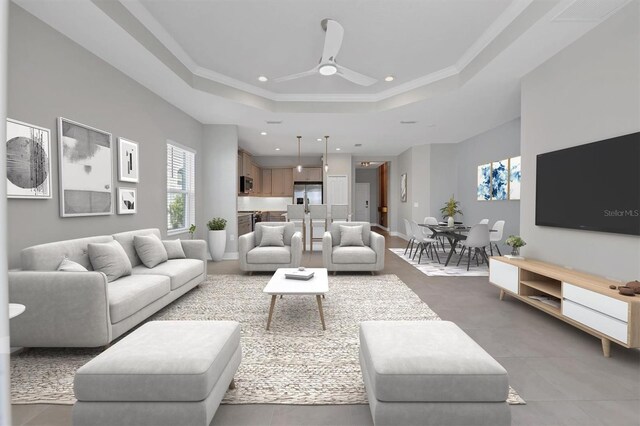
(256, 258)
(369, 257)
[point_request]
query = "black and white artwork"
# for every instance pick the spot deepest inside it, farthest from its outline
(127, 160)
(28, 161)
(85, 170)
(403, 188)
(127, 203)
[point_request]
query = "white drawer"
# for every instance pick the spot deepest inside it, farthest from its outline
(610, 326)
(504, 275)
(596, 301)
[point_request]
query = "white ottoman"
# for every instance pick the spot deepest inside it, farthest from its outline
(164, 373)
(430, 373)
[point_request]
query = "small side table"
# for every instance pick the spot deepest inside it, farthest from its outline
(15, 309)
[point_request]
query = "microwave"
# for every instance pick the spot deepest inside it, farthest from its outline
(246, 184)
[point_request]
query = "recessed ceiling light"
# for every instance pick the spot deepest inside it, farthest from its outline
(277, 149)
(328, 69)
(319, 139)
(263, 78)
(263, 133)
(389, 78)
(337, 149)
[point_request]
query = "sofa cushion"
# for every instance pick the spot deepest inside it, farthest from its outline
(127, 295)
(150, 250)
(353, 255)
(110, 259)
(351, 236)
(174, 249)
(429, 361)
(161, 361)
(47, 257)
(335, 232)
(289, 230)
(180, 271)
(272, 236)
(70, 266)
(126, 241)
(265, 255)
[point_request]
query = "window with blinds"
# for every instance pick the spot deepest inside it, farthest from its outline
(181, 188)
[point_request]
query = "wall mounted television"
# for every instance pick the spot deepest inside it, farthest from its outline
(593, 187)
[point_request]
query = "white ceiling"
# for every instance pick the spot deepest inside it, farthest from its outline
(243, 39)
(478, 90)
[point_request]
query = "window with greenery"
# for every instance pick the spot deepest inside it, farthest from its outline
(181, 194)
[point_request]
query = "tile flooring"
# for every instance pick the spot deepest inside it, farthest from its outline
(558, 370)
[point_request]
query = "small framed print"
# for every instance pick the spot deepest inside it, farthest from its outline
(28, 161)
(128, 170)
(127, 201)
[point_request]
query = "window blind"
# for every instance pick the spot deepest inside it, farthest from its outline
(181, 194)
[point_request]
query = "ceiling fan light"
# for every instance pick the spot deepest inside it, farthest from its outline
(328, 69)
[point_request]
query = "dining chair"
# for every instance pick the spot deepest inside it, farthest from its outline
(424, 243)
(409, 234)
(496, 236)
(484, 222)
(432, 221)
(478, 240)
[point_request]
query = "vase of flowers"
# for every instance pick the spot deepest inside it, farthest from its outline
(450, 209)
(217, 237)
(515, 242)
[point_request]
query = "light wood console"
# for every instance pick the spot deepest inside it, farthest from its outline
(582, 300)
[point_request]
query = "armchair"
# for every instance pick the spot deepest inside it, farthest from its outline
(256, 258)
(369, 257)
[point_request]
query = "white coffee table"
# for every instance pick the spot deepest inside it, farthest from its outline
(316, 286)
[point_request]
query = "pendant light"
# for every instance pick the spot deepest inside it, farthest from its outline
(326, 160)
(299, 163)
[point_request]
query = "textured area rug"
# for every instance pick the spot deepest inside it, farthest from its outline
(296, 362)
(435, 269)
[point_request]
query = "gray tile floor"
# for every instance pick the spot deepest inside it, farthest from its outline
(558, 370)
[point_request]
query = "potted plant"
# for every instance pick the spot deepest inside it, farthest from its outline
(515, 242)
(217, 237)
(450, 209)
(192, 230)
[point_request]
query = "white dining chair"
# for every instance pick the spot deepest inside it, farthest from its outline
(424, 243)
(432, 221)
(478, 240)
(409, 233)
(496, 236)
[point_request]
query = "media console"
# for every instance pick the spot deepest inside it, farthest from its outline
(582, 300)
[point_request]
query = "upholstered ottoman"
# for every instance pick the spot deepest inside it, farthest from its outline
(430, 373)
(164, 373)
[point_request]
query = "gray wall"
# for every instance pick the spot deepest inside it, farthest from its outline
(370, 176)
(587, 92)
(220, 156)
(50, 76)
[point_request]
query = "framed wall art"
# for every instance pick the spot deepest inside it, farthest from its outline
(127, 201)
(128, 168)
(85, 158)
(403, 188)
(28, 161)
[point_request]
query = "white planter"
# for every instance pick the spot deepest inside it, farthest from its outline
(450, 222)
(217, 244)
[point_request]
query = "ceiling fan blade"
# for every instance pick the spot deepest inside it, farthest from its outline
(355, 77)
(332, 41)
(298, 75)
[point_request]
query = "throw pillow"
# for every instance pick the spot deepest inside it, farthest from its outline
(109, 258)
(70, 266)
(351, 236)
(272, 236)
(174, 249)
(150, 250)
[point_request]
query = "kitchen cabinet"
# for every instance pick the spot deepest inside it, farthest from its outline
(277, 182)
(245, 163)
(288, 182)
(265, 182)
(244, 224)
(257, 180)
(308, 174)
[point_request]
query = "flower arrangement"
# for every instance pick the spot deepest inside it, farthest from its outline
(217, 224)
(516, 242)
(451, 208)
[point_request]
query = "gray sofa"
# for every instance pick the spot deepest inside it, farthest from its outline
(82, 309)
(370, 257)
(256, 258)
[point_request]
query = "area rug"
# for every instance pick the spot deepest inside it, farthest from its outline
(434, 269)
(296, 362)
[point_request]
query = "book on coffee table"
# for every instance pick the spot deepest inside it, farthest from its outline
(299, 275)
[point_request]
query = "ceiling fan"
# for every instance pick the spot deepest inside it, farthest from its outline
(327, 65)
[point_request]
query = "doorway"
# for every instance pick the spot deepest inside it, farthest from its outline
(363, 202)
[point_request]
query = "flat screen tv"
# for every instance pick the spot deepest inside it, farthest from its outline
(594, 187)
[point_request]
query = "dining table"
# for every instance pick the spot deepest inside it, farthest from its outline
(454, 234)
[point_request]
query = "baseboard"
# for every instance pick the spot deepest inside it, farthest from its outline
(232, 255)
(398, 234)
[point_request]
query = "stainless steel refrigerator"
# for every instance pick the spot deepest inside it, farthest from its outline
(307, 193)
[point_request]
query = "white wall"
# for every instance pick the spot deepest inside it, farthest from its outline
(273, 204)
(220, 159)
(5, 398)
(588, 92)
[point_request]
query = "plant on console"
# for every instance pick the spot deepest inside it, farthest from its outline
(217, 224)
(515, 241)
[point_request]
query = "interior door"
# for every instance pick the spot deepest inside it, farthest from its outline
(363, 202)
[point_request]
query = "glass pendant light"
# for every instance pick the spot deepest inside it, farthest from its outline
(326, 160)
(299, 163)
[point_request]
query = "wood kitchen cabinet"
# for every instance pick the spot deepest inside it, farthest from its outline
(246, 164)
(308, 174)
(257, 180)
(288, 182)
(266, 182)
(277, 181)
